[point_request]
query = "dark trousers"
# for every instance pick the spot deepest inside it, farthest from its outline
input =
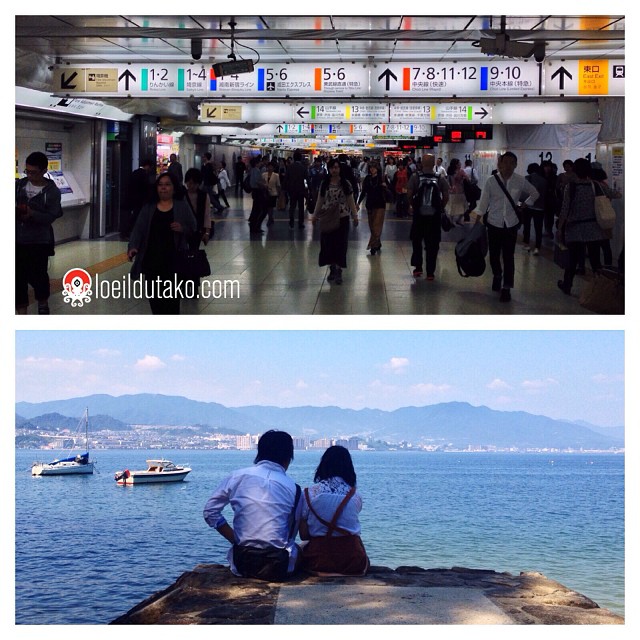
(576, 252)
(222, 196)
(161, 305)
(32, 261)
(425, 230)
(538, 222)
(258, 209)
(296, 200)
(502, 249)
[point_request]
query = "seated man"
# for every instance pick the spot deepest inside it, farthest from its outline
(266, 512)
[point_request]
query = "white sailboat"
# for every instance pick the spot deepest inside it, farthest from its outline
(78, 463)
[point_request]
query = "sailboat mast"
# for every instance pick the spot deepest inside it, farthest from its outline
(86, 428)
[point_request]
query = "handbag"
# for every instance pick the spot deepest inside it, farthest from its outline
(193, 264)
(343, 554)
(605, 213)
(604, 293)
(445, 222)
(329, 218)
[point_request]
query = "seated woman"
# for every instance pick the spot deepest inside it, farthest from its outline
(330, 518)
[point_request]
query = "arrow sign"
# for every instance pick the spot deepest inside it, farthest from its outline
(482, 113)
(127, 75)
(211, 112)
(562, 72)
(301, 112)
(387, 74)
(376, 128)
(279, 128)
(65, 83)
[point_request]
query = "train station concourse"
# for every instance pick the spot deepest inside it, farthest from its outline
(106, 97)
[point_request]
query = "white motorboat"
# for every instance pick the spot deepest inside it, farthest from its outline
(156, 471)
(76, 464)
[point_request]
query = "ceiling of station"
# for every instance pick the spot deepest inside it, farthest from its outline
(110, 39)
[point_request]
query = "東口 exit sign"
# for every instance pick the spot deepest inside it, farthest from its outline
(593, 77)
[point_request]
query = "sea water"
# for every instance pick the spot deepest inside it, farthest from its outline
(87, 550)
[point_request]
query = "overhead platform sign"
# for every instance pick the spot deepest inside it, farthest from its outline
(495, 79)
(584, 78)
(480, 80)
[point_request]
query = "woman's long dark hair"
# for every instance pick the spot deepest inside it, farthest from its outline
(336, 461)
(453, 167)
(346, 187)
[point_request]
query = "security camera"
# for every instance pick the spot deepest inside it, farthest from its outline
(196, 48)
(539, 52)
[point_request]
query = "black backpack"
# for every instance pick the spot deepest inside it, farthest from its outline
(428, 199)
(246, 183)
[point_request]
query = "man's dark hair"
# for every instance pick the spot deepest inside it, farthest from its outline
(336, 461)
(194, 175)
(582, 168)
(510, 154)
(275, 446)
(38, 159)
(297, 156)
(207, 155)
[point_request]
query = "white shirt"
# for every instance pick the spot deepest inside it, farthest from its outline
(326, 497)
(262, 498)
(501, 213)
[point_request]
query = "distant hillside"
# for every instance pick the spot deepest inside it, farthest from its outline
(458, 424)
(58, 422)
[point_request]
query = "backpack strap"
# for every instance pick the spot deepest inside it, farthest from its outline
(292, 528)
(506, 193)
(331, 526)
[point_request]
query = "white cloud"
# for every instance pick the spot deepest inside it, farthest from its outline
(397, 364)
(52, 364)
(178, 357)
(498, 384)
(603, 378)
(301, 384)
(149, 363)
(536, 385)
(107, 353)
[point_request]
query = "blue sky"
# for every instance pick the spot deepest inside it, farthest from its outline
(577, 375)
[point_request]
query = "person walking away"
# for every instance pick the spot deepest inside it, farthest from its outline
(258, 195)
(505, 196)
(209, 181)
(457, 199)
(536, 210)
(297, 189)
(161, 231)
(223, 183)
(37, 206)
(239, 169)
(140, 189)
(333, 244)
(330, 522)
(267, 506)
(428, 195)
(374, 193)
(399, 187)
(273, 191)
(551, 202)
(577, 224)
(175, 168)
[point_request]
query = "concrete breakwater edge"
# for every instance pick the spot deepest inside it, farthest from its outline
(211, 594)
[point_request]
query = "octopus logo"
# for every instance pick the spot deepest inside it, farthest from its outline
(76, 287)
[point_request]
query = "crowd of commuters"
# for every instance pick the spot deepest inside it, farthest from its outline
(169, 214)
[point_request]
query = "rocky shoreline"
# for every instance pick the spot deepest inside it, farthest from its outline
(211, 594)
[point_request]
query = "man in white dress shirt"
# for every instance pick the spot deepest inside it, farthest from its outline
(266, 512)
(503, 221)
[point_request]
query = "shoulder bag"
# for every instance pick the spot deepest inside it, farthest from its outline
(605, 213)
(329, 217)
(343, 554)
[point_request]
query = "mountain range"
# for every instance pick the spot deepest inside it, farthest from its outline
(458, 424)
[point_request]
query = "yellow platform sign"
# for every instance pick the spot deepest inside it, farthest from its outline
(102, 80)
